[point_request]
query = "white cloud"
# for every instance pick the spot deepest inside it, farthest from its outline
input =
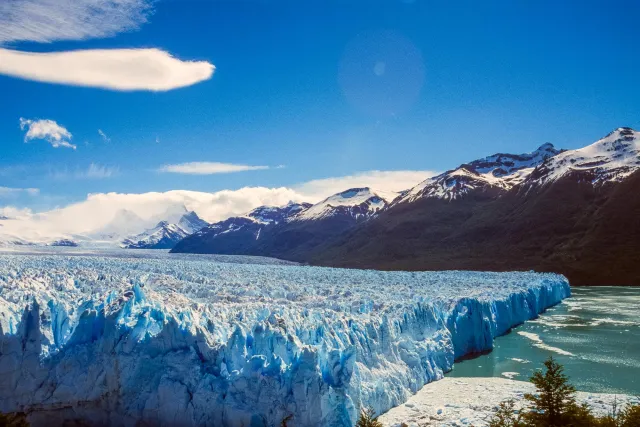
(104, 136)
(387, 181)
(48, 130)
(8, 191)
(46, 21)
(11, 212)
(208, 168)
(115, 69)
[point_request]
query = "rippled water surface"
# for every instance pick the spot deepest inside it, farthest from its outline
(595, 334)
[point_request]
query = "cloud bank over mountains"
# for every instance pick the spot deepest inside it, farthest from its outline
(100, 211)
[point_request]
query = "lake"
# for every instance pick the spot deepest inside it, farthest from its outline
(595, 334)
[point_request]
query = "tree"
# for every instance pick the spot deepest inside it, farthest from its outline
(506, 416)
(13, 420)
(554, 402)
(630, 416)
(368, 419)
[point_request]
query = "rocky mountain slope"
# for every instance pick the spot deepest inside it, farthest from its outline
(575, 213)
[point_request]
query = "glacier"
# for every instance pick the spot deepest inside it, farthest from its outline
(182, 342)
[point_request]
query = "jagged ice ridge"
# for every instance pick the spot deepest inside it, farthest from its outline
(185, 342)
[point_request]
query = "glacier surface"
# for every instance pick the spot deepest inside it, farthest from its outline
(124, 341)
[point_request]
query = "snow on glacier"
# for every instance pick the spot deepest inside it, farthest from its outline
(186, 342)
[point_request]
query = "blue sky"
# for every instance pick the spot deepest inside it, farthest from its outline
(325, 89)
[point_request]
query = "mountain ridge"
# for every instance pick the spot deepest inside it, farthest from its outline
(548, 210)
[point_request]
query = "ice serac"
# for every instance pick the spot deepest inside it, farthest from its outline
(188, 342)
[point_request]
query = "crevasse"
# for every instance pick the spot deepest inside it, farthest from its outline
(197, 342)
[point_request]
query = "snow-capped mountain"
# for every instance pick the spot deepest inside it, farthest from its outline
(276, 215)
(500, 172)
(255, 220)
(191, 222)
(237, 233)
(359, 203)
(612, 158)
(279, 232)
(573, 212)
(124, 222)
(64, 242)
(165, 235)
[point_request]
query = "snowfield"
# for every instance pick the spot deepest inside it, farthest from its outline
(474, 401)
(168, 341)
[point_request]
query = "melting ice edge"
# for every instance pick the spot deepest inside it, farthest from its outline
(185, 342)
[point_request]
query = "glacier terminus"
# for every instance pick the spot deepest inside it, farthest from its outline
(199, 342)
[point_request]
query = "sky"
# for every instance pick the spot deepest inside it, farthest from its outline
(284, 99)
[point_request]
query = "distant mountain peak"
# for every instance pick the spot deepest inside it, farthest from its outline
(357, 202)
(277, 214)
(611, 158)
(501, 171)
(191, 222)
(166, 234)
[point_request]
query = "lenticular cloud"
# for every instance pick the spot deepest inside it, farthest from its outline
(115, 69)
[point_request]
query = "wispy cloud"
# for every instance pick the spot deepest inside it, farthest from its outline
(96, 171)
(104, 136)
(9, 191)
(115, 69)
(47, 130)
(93, 171)
(46, 21)
(208, 168)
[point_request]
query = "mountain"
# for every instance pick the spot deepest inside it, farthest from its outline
(610, 159)
(238, 234)
(575, 212)
(191, 222)
(300, 230)
(165, 235)
(494, 173)
(64, 242)
(124, 222)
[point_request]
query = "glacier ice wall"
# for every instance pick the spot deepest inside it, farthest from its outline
(187, 342)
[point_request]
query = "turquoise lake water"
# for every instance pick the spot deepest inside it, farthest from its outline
(595, 334)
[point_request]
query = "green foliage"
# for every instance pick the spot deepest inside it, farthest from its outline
(554, 402)
(368, 419)
(506, 416)
(554, 405)
(630, 416)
